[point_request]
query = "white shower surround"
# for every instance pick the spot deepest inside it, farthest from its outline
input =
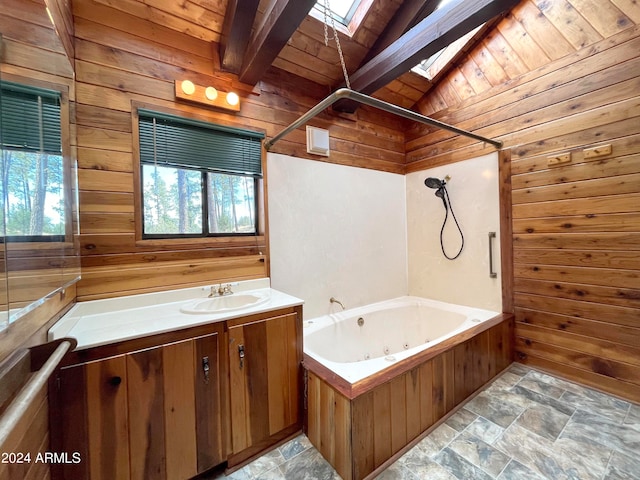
(364, 236)
(336, 231)
(474, 193)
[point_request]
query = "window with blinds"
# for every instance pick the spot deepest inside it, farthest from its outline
(32, 163)
(198, 179)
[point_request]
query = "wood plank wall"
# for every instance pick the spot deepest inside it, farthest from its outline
(576, 228)
(122, 58)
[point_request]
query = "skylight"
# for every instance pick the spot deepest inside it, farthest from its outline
(430, 67)
(341, 10)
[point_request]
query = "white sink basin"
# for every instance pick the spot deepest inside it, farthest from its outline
(224, 303)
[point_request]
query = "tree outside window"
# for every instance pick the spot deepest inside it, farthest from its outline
(197, 179)
(32, 164)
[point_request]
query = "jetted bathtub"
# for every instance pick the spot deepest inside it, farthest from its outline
(379, 377)
(360, 342)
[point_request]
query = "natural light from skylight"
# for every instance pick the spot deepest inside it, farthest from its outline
(430, 67)
(342, 10)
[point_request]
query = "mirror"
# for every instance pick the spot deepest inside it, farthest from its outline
(39, 225)
(4, 302)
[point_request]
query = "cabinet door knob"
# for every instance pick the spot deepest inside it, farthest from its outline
(115, 381)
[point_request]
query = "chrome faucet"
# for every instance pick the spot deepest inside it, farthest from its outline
(334, 300)
(221, 290)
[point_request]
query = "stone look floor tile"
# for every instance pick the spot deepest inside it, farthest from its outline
(459, 466)
(624, 438)
(555, 381)
(518, 369)
(495, 408)
(526, 425)
(536, 385)
(623, 467)
(294, 447)
(633, 416)
(538, 398)
(397, 471)
(532, 451)
(596, 402)
(273, 474)
(437, 440)
(266, 462)
(309, 465)
(584, 454)
(461, 419)
(516, 471)
(479, 453)
(552, 459)
(505, 381)
(543, 420)
(423, 467)
(485, 430)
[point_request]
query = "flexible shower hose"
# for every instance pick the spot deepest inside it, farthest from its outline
(446, 201)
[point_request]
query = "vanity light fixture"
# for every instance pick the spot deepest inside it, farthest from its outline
(187, 87)
(189, 91)
(211, 93)
(232, 98)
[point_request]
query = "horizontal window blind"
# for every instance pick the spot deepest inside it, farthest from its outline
(181, 142)
(30, 118)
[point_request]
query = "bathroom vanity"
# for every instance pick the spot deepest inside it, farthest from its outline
(154, 392)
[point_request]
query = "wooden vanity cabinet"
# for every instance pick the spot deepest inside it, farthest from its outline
(154, 413)
(171, 406)
(265, 382)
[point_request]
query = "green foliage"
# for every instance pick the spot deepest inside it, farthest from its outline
(173, 202)
(35, 204)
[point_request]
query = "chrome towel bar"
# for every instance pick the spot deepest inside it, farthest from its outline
(492, 274)
(25, 396)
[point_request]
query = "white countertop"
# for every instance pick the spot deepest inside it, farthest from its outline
(101, 322)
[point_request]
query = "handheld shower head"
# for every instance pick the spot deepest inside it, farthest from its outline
(439, 186)
(440, 193)
(432, 182)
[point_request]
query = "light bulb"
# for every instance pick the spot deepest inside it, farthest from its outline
(211, 93)
(232, 98)
(188, 87)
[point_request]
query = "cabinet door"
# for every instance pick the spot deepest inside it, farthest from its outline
(92, 420)
(152, 414)
(174, 398)
(264, 368)
(208, 395)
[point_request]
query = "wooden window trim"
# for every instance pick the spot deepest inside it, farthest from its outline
(219, 242)
(65, 138)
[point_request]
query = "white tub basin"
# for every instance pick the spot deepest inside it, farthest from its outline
(225, 303)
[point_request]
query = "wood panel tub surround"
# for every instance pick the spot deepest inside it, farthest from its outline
(360, 428)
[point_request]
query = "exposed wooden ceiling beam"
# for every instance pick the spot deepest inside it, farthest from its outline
(433, 33)
(281, 20)
(408, 15)
(238, 21)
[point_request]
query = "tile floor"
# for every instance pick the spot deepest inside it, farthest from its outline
(524, 425)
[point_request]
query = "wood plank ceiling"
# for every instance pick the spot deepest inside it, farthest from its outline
(249, 36)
